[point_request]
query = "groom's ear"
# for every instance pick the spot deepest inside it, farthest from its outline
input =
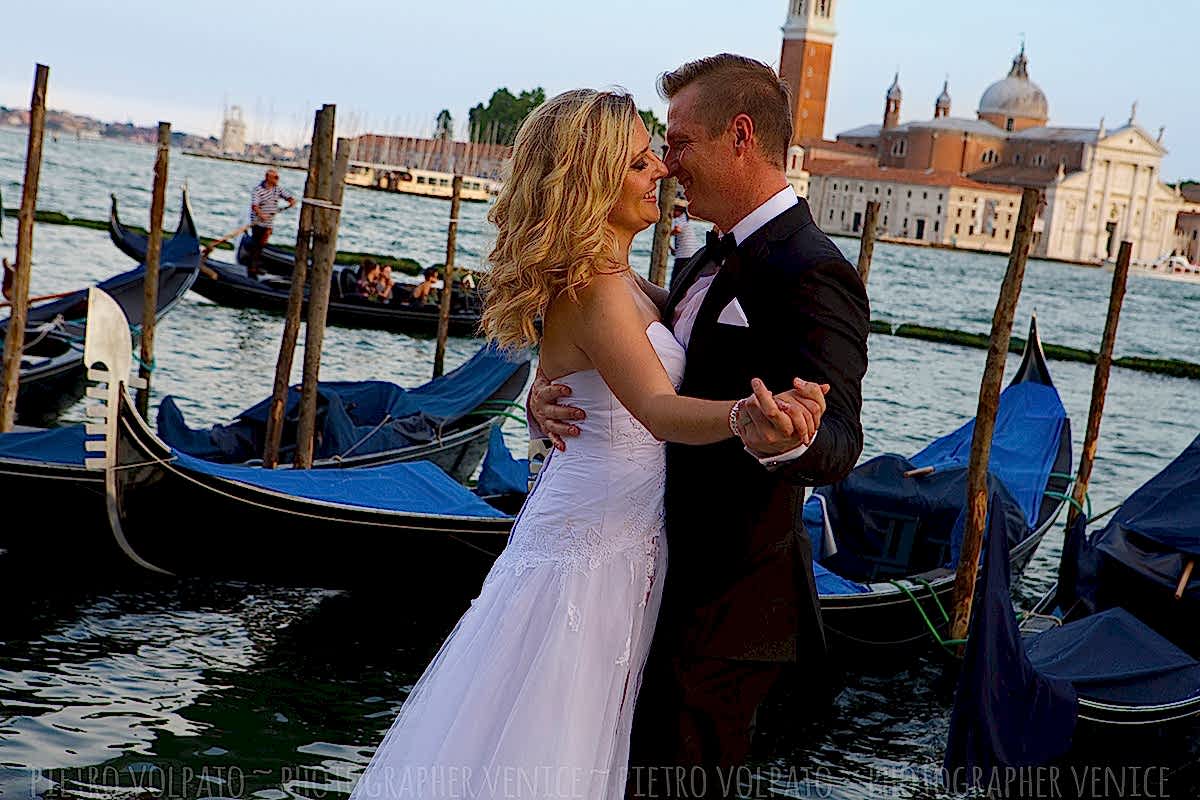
(742, 127)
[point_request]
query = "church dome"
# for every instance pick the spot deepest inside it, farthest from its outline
(1015, 95)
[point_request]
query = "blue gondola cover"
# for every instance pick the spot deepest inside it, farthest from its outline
(1005, 714)
(355, 417)
(917, 522)
(501, 473)
(1029, 423)
(1157, 529)
(889, 526)
(55, 445)
(414, 487)
(1114, 657)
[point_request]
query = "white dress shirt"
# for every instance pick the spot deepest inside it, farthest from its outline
(688, 308)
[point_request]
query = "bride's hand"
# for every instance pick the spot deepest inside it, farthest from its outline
(773, 424)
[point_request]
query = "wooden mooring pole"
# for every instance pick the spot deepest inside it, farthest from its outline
(14, 339)
(1091, 439)
(867, 247)
(443, 329)
(985, 416)
(328, 216)
(322, 139)
(153, 255)
(660, 252)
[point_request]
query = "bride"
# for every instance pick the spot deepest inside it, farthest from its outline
(532, 694)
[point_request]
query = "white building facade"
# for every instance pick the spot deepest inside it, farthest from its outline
(915, 206)
(1118, 195)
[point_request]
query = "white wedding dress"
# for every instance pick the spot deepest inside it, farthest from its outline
(532, 694)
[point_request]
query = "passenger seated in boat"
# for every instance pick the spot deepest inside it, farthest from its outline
(385, 284)
(423, 292)
(368, 279)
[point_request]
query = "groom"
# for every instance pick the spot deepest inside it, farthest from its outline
(773, 298)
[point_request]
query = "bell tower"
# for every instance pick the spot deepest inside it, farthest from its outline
(804, 63)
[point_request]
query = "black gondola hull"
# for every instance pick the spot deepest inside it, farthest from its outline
(881, 628)
(234, 531)
(67, 539)
(227, 285)
(48, 389)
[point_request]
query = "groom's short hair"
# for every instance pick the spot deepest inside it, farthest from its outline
(732, 85)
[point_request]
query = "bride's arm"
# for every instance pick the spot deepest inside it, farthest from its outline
(612, 334)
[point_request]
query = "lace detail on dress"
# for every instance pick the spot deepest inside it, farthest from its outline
(623, 659)
(569, 548)
(632, 438)
(651, 569)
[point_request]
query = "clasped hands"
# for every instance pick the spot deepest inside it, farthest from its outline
(768, 424)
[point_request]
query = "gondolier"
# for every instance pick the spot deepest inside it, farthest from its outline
(264, 205)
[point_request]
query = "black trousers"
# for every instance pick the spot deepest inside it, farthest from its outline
(693, 725)
(259, 234)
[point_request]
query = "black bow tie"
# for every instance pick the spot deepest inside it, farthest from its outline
(717, 247)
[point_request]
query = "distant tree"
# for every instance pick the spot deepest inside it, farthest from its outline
(499, 120)
(443, 126)
(653, 124)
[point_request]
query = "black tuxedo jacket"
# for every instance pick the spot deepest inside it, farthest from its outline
(739, 579)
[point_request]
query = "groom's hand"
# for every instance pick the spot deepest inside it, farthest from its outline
(554, 419)
(773, 425)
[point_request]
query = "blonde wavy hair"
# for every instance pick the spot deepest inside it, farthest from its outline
(568, 165)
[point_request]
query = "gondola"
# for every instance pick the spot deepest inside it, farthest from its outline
(52, 375)
(1139, 571)
(1103, 671)
(52, 368)
(885, 538)
(403, 526)
(134, 244)
(231, 285)
(448, 422)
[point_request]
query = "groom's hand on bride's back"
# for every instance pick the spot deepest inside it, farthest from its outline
(775, 424)
(555, 420)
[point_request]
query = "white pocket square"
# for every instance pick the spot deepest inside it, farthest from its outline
(732, 314)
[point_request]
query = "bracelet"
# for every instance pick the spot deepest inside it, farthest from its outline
(734, 413)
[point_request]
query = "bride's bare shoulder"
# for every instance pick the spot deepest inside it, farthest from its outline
(608, 294)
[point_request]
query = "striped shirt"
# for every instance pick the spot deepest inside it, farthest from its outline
(266, 198)
(688, 240)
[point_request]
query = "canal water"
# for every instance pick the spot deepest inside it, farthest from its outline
(243, 690)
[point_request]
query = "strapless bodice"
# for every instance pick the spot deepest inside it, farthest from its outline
(604, 493)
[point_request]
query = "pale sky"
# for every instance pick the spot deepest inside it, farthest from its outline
(391, 66)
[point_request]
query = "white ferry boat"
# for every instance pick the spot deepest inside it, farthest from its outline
(1176, 268)
(423, 182)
